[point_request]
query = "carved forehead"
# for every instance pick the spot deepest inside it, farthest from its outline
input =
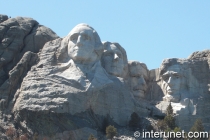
(82, 29)
(172, 64)
(175, 68)
(136, 68)
(111, 48)
(137, 64)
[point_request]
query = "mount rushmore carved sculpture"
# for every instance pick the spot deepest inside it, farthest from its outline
(73, 83)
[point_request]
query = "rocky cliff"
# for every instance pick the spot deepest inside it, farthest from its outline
(66, 88)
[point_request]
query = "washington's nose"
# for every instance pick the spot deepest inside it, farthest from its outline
(79, 41)
(116, 57)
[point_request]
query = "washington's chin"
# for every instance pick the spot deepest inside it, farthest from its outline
(80, 57)
(79, 53)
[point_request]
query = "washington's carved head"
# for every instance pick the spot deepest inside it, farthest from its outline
(114, 59)
(138, 73)
(83, 44)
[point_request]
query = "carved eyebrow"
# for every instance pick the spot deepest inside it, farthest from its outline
(176, 73)
(166, 74)
(170, 73)
(74, 34)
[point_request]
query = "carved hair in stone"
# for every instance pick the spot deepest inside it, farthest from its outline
(138, 75)
(114, 59)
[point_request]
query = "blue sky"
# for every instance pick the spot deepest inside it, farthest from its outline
(150, 31)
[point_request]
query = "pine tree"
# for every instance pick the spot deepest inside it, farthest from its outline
(198, 126)
(161, 125)
(91, 137)
(169, 118)
(169, 110)
(111, 131)
(177, 129)
(170, 121)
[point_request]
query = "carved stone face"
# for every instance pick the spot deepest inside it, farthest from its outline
(113, 60)
(81, 45)
(138, 73)
(172, 80)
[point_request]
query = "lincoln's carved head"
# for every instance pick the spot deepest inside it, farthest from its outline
(173, 80)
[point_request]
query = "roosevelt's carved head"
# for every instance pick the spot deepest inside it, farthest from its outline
(138, 73)
(114, 59)
(82, 44)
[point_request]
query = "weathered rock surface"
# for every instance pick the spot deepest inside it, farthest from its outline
(184, 82)
(72, 94)
(17, 36)
(200, 54)
(66, 88)
(3, 18)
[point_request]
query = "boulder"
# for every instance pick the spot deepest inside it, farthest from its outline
(65, 90)
(17, 36)
(3, 18)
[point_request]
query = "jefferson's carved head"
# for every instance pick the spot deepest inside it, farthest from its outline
(114, 59)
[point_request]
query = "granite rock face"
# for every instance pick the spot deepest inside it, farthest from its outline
(3, 18)
(68, 83)
(184, 83)
(66, 88)
(200, 54)
(17, 36)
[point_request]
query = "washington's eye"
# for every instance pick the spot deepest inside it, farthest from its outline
(73, 37)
